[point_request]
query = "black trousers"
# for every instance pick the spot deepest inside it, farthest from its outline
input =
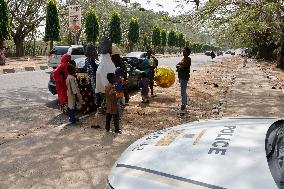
(116, 121)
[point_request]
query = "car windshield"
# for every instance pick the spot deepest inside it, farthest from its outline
(59, 50)
(135, 54)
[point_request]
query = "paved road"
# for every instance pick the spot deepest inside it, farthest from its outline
(197, 61)
(27, 105)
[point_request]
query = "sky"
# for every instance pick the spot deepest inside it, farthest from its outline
(170, 6)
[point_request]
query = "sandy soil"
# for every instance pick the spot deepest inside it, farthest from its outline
(25, 62)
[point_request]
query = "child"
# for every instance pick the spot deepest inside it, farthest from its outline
(73, 93)
(119, 82)
(111, 104)
(144, 85)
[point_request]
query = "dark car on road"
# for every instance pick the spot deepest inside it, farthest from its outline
(133, 75)
(219, 53)
(135, 59)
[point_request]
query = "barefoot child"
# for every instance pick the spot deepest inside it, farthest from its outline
(111, 104)
(144, 85)
(73, 93)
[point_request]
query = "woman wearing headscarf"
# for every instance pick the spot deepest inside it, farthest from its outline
(86, 79)
(60, 75)
(106, 66)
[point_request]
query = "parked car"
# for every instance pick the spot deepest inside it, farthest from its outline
(133, 75)
(76, 51)
(233, 53)
(219, 53)
(229, 153)
(135, 59)
(208, 53)
(228, 52)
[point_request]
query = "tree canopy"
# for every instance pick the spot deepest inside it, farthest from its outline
(52, 27)
(114, 28)
(5, 29)
(91, 26)
(133, 32)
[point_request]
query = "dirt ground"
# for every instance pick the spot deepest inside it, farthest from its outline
(80, 157)
(24, 62)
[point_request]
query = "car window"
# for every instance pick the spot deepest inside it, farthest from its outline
(143, 55)
(59, 50)
(135, 54)
(77, 51)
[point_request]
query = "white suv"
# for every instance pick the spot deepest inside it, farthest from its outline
(76, 51)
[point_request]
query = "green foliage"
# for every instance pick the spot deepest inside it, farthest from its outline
(133, 31)
(156, 36)
(5, 29)
(114, 28)
(52, 26)
(91, 26)
(187, 43)
(180, 40)
(172, 38)
(164, 38)
(253, 24)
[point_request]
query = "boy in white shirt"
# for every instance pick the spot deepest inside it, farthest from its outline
(73, 93)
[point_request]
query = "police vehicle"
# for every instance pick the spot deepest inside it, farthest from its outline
(232, 153)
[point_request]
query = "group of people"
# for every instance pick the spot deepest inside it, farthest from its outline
(106, 86)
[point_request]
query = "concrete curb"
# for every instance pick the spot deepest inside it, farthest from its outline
(23, 69)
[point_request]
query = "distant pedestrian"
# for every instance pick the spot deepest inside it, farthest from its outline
(119, 81)
(183, 69)
(60, 74)
(73, 93)
(150, 64)
(144, 85)
(111, 104)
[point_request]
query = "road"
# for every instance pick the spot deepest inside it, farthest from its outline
(27, 105)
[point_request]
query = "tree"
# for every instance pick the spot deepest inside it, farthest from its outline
(171, 39)
(52, 27)
(133, 32)
(253, 24)
(180, 41)
(156, 36)
(5, 29)
(163, 39)
(187, 43)
(26, 17)
(114, 28)
(146, 42)
(92, 26)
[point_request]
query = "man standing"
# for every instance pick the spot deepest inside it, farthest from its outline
(183, 69)
(150, 64)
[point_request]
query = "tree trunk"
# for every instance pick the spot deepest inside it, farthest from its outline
(281, 53)
(50, 45)
(1, 44)
(19, 42)
(131, 46)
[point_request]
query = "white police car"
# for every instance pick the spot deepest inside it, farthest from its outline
(233, 153)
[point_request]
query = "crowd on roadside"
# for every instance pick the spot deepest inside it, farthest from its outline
(105, 88)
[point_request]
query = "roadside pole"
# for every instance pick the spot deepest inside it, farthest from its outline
(75, 20)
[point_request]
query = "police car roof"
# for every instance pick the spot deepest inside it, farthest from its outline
(226, 153)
